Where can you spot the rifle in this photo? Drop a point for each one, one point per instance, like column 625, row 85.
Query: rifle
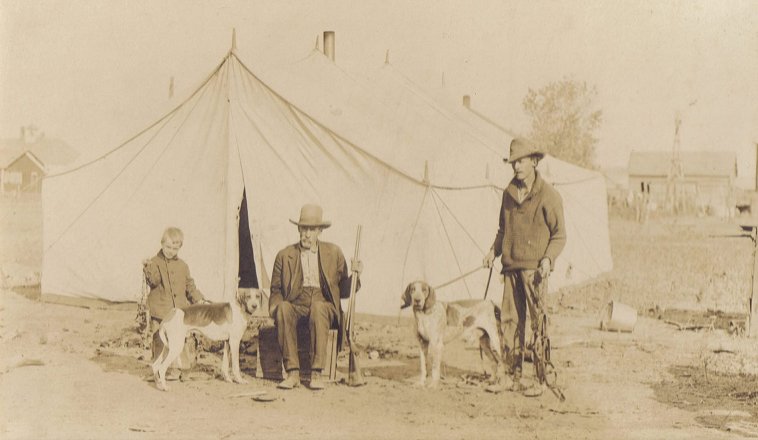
column 355, row 376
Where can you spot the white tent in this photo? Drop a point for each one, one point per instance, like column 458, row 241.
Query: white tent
column 418, row 186
column 454, row 136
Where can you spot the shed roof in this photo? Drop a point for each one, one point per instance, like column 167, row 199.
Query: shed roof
column 694, row 163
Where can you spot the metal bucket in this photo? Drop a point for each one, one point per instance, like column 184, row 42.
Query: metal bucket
column 618, row 318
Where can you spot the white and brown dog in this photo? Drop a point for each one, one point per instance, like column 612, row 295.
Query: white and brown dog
column 438, row 322
column 224, row 321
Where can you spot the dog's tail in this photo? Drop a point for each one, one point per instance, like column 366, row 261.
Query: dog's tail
column 163, row 335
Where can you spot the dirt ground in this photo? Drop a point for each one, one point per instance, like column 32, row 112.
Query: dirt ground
column 73, row 372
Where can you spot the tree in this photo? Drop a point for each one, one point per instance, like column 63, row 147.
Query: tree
column 564, row 120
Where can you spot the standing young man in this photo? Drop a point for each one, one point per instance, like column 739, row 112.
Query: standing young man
column 530, row 236
column 308, row 280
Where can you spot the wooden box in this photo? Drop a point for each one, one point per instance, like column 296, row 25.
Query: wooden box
column 269, row 364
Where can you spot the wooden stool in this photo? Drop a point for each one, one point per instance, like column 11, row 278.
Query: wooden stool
column 270, row 363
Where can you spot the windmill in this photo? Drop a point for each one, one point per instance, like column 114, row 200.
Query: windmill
column 675, row 192
column 674, row 199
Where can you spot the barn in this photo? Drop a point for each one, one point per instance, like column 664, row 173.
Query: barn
column 706, row 185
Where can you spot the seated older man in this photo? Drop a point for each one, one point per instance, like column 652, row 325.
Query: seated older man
column 309, row 279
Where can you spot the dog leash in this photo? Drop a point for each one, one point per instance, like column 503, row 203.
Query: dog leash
column 458, row 278
column 489, row 278
column 486, row 290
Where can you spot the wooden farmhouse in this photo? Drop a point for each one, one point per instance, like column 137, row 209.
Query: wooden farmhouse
column 705, row 183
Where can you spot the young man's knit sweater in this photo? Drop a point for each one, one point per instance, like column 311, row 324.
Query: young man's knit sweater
column 532, row 229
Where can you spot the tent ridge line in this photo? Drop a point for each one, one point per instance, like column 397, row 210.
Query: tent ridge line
column 323, row 126
column 312, row 137
column 349, row 142
column 149, row 127
column 100, row 194
column 266, row 141
column 418, row 91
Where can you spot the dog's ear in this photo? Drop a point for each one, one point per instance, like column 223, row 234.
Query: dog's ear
column 243, row 295
column 431, row 298
column 406, row 296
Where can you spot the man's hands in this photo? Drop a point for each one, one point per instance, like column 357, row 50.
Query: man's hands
column 544, row 268
column 488, row 259
column 356, row 266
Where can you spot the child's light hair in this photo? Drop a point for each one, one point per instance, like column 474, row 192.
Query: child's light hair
column 174, row 234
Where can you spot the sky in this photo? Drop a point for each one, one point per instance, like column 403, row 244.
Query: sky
column 93, row 73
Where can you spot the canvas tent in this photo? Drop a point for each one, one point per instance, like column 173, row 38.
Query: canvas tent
column 466, row 148
column 418, row 186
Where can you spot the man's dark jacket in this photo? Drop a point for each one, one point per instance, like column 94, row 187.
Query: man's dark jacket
column 287, row 278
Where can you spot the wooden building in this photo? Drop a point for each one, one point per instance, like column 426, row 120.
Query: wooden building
column 25, row 160
column 706, row 185
column 22, row 174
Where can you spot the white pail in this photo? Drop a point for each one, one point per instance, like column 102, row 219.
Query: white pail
column 618, row 318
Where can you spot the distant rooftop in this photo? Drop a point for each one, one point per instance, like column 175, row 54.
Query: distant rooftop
column 50, row 151
column 694, row 163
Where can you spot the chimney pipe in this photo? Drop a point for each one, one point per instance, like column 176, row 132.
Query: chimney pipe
column 467, row 101
column 329, row 44
column 756, row 166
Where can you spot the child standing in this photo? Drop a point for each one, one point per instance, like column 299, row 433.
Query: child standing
column 171, row 286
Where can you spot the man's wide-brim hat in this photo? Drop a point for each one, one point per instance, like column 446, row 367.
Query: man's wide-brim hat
column 520, row 148
column 312, row 215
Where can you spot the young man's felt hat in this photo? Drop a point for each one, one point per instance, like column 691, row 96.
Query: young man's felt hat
column 520, row 147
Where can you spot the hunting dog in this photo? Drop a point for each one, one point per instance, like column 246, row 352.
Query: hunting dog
column 224, row 321
column 437, row 322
